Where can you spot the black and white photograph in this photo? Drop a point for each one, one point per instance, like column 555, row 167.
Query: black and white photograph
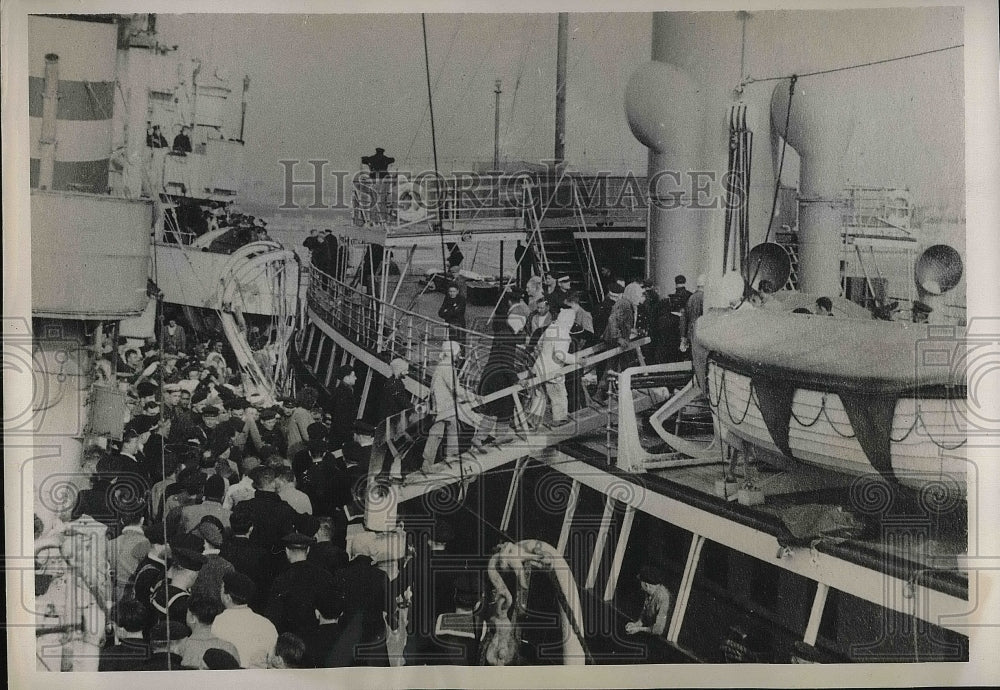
column 434, row 346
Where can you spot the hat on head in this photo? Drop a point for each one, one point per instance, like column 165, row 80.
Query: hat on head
column 296, row 539
column 209, row 531
column 141, row 424
column 563, row 279
column 238, row 584
column 186, row 551
column 379, row 150
column 616, row 288
column 210, row 411
column 680, row 280
column 343, row 370
column 168, row 630
column 146, row 389
column 267, row 413
column 219, row 660
column 364, row 428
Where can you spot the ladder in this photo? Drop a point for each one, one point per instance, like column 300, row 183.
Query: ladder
column 789, row 240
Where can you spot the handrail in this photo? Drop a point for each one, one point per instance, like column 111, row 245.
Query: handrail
column 591, row 260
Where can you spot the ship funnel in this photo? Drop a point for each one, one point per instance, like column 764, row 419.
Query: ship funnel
column 767, row 262
column 937, row 271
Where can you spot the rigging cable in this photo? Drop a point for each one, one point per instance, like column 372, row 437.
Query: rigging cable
column 440, row 228
column 437, row 81
column 751, row 80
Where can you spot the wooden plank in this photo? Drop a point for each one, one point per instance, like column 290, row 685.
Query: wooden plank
column 602, row 538
column 616, row 565
column 567, row 525
column 684, row 591
column 816, row 614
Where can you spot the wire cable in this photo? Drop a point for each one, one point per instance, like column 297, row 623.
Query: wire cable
column 751, row 80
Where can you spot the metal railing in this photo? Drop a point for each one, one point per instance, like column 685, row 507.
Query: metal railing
column 390, row 331
column 461, row 202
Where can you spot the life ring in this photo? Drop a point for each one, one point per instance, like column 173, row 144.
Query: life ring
column 409, row 206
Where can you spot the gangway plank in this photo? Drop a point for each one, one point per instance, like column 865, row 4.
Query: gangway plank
column 582, row 423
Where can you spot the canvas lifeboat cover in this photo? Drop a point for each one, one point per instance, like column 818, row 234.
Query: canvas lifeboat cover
column 839, row 353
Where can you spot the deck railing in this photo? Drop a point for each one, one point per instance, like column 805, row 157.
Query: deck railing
column 462, row 202
column 390, row 331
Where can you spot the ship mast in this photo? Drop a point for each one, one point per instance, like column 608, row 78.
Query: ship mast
column 560, row 147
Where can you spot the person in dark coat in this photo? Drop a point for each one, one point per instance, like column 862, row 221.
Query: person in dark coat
column 182, row 142
column 366, row 588
column 130, row 651
column 664, row 331
column 395, row 398
column 296, row 593
column 679, row 298
column 270, row 516
column 343, row 408
column 324, row 553
column 378, row 164
column 500, row 371
column 452, row 311
column 247, row 556
column 167, row 642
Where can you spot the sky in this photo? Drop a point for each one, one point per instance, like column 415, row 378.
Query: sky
column 333, row 87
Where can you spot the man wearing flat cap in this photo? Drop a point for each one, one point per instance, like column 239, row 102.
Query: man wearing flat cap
column 296, row 593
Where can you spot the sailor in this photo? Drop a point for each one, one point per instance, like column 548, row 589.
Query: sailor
column 296, row 593
column 209, row 580
column 378, row 165
column 312, row 242
column 343, row 407
column 169, row 597
column 462, row 631
column 182, row 142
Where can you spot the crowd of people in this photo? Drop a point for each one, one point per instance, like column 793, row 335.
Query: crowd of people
column 540, row 328
column 226, row 519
